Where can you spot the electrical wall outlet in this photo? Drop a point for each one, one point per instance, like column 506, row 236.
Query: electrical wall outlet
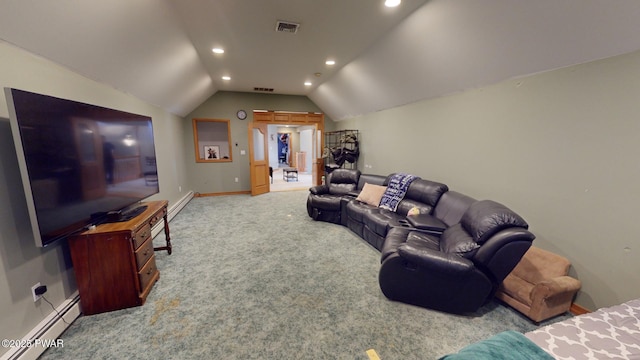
column 237, row 180
column 33, row 292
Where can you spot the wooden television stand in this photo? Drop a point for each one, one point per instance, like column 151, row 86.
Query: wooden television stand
column 115, row 264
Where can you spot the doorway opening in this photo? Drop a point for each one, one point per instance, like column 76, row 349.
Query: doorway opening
column 284, row 149
column 290, row 156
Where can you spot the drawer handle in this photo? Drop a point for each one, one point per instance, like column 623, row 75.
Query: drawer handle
column 150, row 271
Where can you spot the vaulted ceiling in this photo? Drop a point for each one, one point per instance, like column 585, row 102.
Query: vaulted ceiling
column 160, row 50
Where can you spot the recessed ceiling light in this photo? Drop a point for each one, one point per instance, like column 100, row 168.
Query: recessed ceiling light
column 392, row 3
column 227, row 78
column 218, row 50
column 330, row 62
column 308, row 83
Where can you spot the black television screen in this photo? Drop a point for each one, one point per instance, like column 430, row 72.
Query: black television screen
column 78, row 161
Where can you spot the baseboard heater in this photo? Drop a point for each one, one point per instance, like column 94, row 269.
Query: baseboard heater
column 50, row 329
column 47, row 331
column 172, row 212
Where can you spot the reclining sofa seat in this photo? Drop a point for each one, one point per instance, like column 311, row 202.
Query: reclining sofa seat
column 324, row 201
column 448, row 212
column 364, row 179
column 372, row 223
column 460, row 270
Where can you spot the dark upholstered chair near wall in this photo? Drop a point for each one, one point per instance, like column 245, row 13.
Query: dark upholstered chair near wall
column 460, row 270
column 448, row 212
column 324, row 201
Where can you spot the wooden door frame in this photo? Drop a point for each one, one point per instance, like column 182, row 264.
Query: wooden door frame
column 318, row 126
column 317, row 162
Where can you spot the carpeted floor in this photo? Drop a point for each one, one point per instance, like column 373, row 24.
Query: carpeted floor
column 256, row 278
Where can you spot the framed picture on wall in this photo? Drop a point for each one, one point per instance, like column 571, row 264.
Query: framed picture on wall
column 206, row 133
column 211, row 152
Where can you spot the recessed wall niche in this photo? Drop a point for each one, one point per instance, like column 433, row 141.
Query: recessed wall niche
column 212, row 140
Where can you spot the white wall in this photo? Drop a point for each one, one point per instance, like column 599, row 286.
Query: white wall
column 274, row 130
column 306, row 145
column 561, row 148
column 22, row 264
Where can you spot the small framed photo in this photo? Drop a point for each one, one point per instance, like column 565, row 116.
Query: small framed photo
column 211, row 152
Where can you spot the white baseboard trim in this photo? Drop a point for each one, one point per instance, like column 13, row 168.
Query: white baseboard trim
column 172, row 212
column 44, row 335
column 50, row 329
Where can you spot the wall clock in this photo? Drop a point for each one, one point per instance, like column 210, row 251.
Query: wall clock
column 241, row 114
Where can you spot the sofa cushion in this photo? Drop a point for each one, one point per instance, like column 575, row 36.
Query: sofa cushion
column 343, row 181
column 407, row 204
column 455, row 240
column 451, row 206
column 422, row 240
column 484, row 218
column 517, row 288
column 341, row 189
column 423, row 194
column 371, row 179
column 377, row 220
column 371, row 194
column 401, row 235
column 356, row 210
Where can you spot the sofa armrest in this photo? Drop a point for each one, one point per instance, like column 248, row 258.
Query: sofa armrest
column 434, row 260
column 552, row 297
column 558, row 286
column 319, row 189
column 427, row 222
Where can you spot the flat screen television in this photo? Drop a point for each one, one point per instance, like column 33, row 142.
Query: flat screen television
column 80, row 164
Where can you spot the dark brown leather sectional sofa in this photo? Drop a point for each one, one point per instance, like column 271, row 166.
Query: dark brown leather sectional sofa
column 451, row 256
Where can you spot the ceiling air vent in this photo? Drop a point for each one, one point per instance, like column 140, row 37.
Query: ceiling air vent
column 263, row 89
column 287, row 26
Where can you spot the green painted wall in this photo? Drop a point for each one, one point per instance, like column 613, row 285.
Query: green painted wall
column 22, row 264
column 560, row 148
column 207, row 178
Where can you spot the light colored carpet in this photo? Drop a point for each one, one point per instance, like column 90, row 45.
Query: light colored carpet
column 256, row 278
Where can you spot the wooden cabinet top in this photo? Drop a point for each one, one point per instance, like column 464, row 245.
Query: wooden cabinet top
column 139, row 221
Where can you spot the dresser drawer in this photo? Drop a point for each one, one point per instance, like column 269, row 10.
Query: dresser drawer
column 147, row 273
column 144, row 252
column 141, row 236
column 157, row 216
